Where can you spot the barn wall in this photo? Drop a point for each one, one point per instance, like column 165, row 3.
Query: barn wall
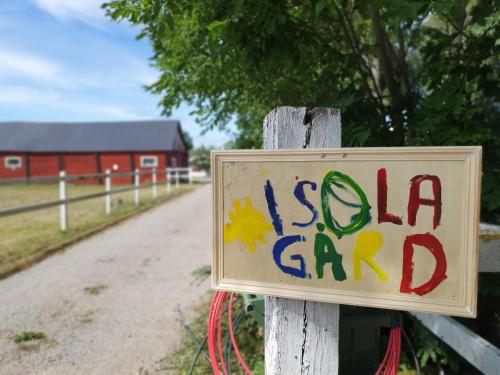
column 77, row 164
column 122, row 162
column 49, row 164
column 160, row 168
column 43, row 165
column 12, row 173
column 180, row 157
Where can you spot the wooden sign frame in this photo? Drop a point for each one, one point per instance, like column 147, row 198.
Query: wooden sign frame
column 470, row 156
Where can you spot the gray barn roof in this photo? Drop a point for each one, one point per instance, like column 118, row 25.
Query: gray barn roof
column 156, row 135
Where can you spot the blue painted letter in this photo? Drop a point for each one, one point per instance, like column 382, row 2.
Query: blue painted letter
column 271, row 206
column 280, row 247
column 301, row 197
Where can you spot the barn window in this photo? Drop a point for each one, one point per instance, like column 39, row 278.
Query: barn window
column 149, row 161
column 12, row 162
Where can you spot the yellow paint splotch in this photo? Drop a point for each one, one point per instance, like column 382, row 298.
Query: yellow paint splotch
column 368, row 244
column 246, row 225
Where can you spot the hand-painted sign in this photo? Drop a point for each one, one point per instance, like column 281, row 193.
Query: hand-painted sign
column 382, row 227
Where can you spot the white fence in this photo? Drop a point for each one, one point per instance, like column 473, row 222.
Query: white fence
column 173, row 179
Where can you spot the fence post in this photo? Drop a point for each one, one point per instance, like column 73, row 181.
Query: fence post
column 167, row 180
column 177, row 176
column 136, row 184
column 190, row 171
column 153, row 180
column 107, row 197
column 302, row 337
column 63, row 208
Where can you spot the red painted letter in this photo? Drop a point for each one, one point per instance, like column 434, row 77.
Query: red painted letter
column 432, row 244
column 383, row 215
column 415, row 201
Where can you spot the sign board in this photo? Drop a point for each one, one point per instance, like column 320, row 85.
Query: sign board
column 392, row 228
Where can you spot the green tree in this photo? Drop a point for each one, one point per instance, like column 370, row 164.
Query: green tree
column 402, row 72
column 200, row 157
column 188, row 139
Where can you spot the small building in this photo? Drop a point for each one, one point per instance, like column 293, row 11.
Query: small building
column 41, row 149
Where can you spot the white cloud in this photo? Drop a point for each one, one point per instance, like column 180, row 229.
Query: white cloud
column 88, row 11
column 22, row 95
column 26, row 95
column 16, row 65
column 115, row 112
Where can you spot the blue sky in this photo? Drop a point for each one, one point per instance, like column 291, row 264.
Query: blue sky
column 63, row 60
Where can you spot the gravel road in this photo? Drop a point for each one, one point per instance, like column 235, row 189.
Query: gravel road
column 107, row 304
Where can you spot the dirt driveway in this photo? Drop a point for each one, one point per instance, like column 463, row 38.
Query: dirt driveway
column 106, row 305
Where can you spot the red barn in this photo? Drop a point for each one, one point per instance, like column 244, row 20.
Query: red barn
column 40, row 149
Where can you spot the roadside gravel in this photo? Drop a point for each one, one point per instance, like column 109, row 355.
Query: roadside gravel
column 107, row 304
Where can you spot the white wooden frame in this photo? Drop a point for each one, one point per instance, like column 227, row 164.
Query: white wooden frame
column 470, row 155
column 144, row 157
column 8, row 158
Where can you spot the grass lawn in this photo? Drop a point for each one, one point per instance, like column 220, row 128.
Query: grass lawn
column 29, row 237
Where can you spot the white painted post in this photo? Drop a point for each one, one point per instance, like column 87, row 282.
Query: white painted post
column 302, row 337
column 177, row 176
column 190, row 176
column 167, row 179
column 153, row 178
column 63, row 208
column 107, row 197
column 136, row 190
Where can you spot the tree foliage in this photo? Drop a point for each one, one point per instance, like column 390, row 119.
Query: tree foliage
column 187, row 139
column 200, row 157
column 402, row 72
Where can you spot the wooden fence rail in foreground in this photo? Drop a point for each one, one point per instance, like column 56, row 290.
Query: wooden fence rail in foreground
column 170, row 174
column 472, row 347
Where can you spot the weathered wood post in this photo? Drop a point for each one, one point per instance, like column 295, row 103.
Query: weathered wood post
column 302, row 337
column 63, row 208
column 177, row 177
column 108, row 190
column 136, row 189
column 153, row 181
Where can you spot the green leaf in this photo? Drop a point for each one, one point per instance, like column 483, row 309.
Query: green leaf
column 320, row 5
column 216, row 25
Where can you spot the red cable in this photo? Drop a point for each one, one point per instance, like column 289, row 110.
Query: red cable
column 398, row 352
column 233, row 340
column 390, row 363
column 211, row 333
column 211, row 352
column 393, row 364
column 215, row 318
column 386, row 356
column 219, row 331
column 394, row 350
column 397, row 341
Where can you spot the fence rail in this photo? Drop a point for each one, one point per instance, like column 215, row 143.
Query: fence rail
column 80, row 177
column 171, row 175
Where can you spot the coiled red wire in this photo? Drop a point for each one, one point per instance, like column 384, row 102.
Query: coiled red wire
column 388, row 366
column 214, row 334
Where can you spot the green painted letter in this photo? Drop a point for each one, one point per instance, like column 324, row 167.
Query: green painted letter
column 343, row 181
column 325, row 252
